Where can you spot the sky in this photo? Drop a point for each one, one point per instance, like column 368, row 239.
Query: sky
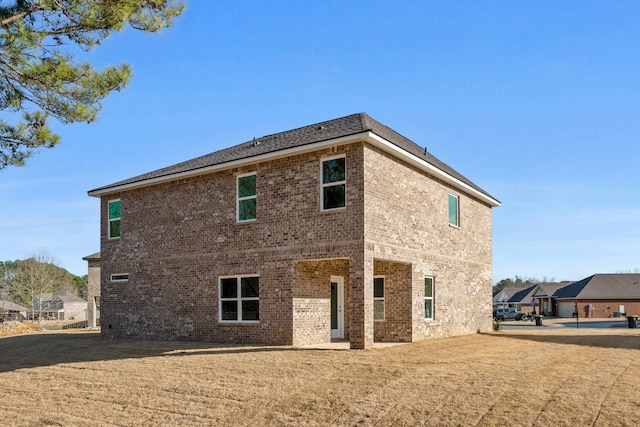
column 537, row 102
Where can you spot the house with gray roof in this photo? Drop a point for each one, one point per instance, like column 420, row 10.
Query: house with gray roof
column 12, row 311
column 600, row 296
column 502, row 297
column 60, row 305
column 343, row 229
column 523, row 299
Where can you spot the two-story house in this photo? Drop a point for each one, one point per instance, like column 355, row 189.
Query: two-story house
column 340, row 230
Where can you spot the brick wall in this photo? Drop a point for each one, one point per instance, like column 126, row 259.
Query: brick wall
column 407, row 222
column 396, row 326
column 179, row 238
column 312, row 300
column 93, row 291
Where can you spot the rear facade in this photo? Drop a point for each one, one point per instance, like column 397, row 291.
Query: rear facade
column 340, row 230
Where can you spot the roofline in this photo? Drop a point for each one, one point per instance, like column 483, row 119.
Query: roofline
column 273, row 155
column 366, row 136
column 429, row 168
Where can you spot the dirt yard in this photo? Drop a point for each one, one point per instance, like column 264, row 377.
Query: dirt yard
column 547, row 376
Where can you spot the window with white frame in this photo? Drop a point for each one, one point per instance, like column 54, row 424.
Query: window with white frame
column 240, row 299
column 114, row 219
column 247, row 197
column 454, row 210
column 119, row 277
column 334, row 184
column 378, row 298
column 428, row 298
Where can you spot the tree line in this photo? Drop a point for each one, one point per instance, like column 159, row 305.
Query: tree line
column 21, row 281
column 520, row 282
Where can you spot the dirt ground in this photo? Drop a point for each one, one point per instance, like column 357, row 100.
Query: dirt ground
column 547, row 376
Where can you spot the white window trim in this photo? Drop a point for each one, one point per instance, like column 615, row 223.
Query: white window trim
column 332, row 184
column 432, row 297
column 238, row 298
column 384, row 291
column 119, row 277
column 109, row 220
column 239, row 199
column 457, row 225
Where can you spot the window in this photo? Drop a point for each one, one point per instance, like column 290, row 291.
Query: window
column 239, row 299
column 120, row 277
column 334, row 184
column 247, row 197
column 114, row 219
column 428, row 298
column 378, row 298
column 454, row 204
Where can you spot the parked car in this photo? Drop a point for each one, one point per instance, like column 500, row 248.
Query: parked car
column 507, row 313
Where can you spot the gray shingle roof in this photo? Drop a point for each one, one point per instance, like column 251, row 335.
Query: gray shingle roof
column 603, row 286
column 307, row 135
column 92, row 257
column 524, row 296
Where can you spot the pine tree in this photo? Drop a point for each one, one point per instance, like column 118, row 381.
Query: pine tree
column 39, row 74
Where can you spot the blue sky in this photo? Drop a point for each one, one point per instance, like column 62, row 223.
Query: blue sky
column 536, row 102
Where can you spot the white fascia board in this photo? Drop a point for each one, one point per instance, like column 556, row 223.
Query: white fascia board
column 393, row 149
column 233, row 164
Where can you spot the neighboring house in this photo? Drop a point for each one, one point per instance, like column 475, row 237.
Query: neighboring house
column 543, row 297
column 501, row 298
column 600, row 295
column 93, row 290
column 524, row 300
column 12, row 311
column 60, row 305
column 343, row 229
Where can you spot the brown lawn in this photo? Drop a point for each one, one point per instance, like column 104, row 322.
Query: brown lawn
column 548, row 376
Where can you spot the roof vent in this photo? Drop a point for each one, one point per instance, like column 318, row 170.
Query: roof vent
column 255, row 142
column 320, row 127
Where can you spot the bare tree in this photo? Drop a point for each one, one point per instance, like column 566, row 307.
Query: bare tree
column 33, row 277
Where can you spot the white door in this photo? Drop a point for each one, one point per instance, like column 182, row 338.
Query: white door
column 337, row 307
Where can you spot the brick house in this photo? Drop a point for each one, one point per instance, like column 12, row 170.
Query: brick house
column 93, row 289
column 339, row 230
column 598, row 296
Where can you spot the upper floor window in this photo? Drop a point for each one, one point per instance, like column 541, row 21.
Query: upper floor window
column 378, row 298
column 334, row 184
column 247, row 197
column 240, row 299
column 428, row 298
column 114, row 219
column 454, row 210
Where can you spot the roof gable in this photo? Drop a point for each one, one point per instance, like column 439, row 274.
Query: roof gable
column 523, row 296
column 332, row 131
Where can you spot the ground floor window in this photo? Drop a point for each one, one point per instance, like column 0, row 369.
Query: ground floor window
column 378, row 298
column 428, row 298
column 240, row 299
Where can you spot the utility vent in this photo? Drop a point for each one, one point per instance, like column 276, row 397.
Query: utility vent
column 121, row 277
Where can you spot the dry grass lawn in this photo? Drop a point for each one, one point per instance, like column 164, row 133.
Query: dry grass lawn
column 548, row 376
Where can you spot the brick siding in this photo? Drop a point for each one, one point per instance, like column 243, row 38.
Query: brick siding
column 179, row 238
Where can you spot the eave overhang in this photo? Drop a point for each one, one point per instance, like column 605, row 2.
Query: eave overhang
column 366, row 136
